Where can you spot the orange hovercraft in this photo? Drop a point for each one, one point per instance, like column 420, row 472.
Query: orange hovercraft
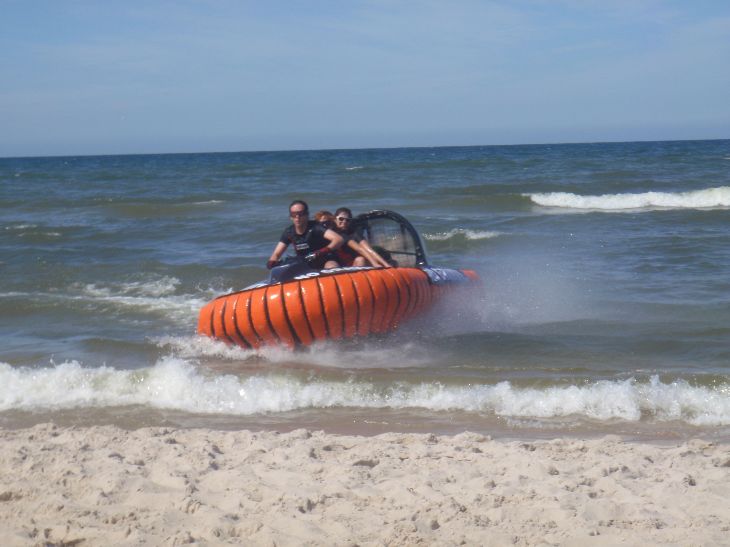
column 297, row 306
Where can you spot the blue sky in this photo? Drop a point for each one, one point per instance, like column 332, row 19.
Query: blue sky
column 82, row 77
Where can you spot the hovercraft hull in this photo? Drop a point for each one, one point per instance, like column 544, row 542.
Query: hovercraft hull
column 329, row 305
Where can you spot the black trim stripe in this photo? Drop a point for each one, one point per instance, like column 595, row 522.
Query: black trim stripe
column 295, row 335
column 283, row 307
column 428, row 295
column 372, row 300
column 356, row 303
column 359, row 307
column 235, row 323
column 419, row 292
column 392, row 287
column 213, row 314
column 250, row 318
column 374, row 278
column 398, row 314
column 342, row 306
column 249, row 300
column 385, row 320
column 386, row 317
column 304, row 312
column 324, row 311
column 210, row 315
column 410, row 302
column 308, row 314
column 223, row 322
column 268, row 318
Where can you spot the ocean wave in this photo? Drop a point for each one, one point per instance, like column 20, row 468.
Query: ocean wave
column 155, row 288
column 20, row 227
column 354, row 168
column 158, row 296
column 157, row 209
column 173, row 383
column 462, row 233
column 35, row 232
column 151, row 295
column 208, row 202
column 709, row 198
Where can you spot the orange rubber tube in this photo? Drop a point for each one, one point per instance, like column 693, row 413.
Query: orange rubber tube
column 380, row 301
column 365, row 299
column 314, row 308
column 345, row 304
column 350, row 305
column 332, row 305
column 278, row 316
column 243, row 320
column 260, row 318
column 294, row 305
column 230, row 324
column 394, row 298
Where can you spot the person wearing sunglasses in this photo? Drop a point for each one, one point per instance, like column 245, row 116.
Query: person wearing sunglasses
column 311, row 240
column 356, row 250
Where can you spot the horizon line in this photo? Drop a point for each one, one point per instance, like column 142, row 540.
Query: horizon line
column 364, row 148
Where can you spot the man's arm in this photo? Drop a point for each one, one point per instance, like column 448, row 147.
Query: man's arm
column 276, row 255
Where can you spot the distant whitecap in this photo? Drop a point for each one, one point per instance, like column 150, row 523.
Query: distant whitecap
column 699, row 199
column 462, row 232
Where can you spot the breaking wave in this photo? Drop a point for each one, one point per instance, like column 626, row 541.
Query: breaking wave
column 174, row 383
column 708, row 198
column 159, row 296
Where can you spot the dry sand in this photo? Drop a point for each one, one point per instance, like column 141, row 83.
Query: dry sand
column 155, row 486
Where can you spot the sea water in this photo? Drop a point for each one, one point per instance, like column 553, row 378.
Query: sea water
column 604, row 308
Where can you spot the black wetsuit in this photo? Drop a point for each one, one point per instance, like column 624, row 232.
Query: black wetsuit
column 308, row 242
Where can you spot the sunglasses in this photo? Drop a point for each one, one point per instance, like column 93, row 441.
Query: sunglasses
column 299, row 213
column 343, row 219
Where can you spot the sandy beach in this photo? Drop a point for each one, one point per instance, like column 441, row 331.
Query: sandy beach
column 108, row 486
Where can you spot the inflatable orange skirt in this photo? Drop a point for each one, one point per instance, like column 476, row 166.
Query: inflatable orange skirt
column 329, row 306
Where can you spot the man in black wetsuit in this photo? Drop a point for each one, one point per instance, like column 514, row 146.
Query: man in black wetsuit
column 312, row 241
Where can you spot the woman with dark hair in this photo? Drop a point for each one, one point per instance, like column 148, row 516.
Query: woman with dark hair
column 356, row 249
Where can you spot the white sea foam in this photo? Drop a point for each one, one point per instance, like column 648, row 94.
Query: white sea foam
column 155, row 288
column 462, row 232
column 174, row 383
column 193, row 347
column 708, row 198
column 157, row 295
column 354, row 168
column 367, row 355
column 17, row 227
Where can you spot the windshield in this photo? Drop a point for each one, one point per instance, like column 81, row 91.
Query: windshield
column 393, row 237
